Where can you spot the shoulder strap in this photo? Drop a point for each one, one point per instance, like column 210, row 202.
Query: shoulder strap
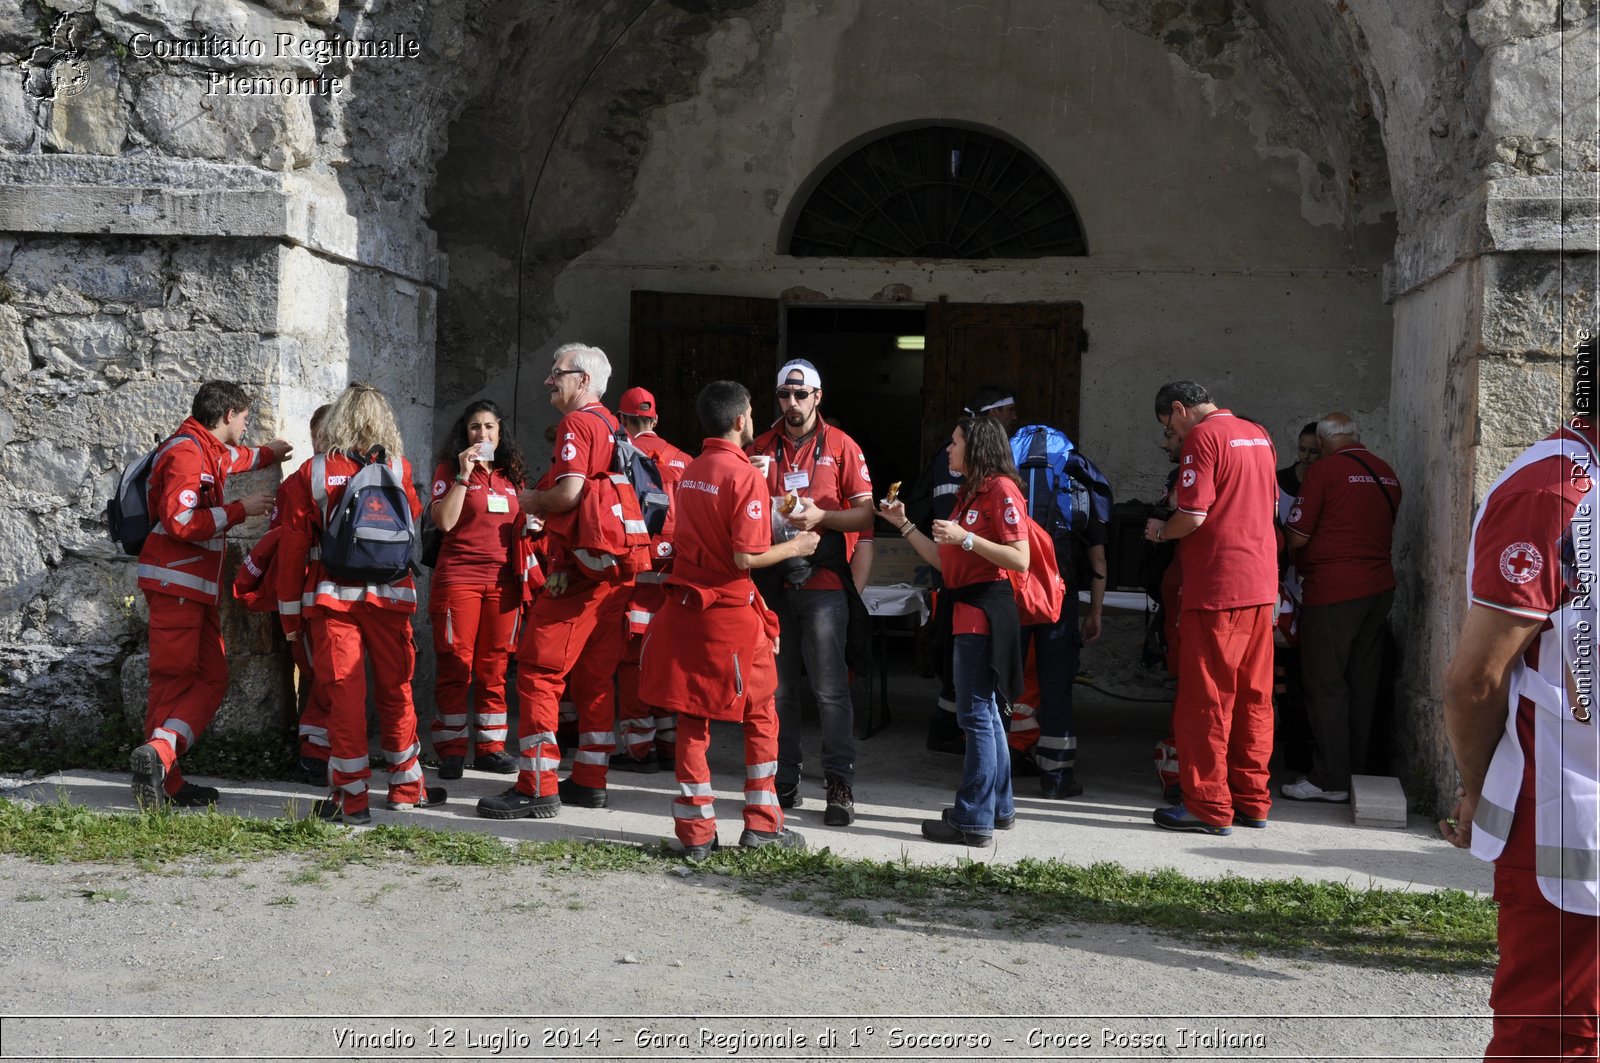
column 319, row 485
column 1393, row 512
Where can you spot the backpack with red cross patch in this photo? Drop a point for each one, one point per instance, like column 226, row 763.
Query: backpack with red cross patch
column 370, row 536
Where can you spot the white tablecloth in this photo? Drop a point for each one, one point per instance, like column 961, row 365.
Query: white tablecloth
column 900, row 599
column 1138, row 601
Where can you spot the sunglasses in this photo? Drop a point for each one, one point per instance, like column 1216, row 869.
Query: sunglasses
column 795, row 394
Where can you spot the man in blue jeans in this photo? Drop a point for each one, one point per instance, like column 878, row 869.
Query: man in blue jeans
column 821, row 473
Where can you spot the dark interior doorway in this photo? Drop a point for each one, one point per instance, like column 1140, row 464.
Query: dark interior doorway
column 871, row 360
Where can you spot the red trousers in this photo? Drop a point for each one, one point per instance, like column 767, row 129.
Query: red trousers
column 188, row 676
column 314, row 714
column 642, row 729
column 574, row 642
column 1546, row 989
column 1222, row 716
column 1023, row 733
column 341, row 645
column 693, row 819
column 474, row 632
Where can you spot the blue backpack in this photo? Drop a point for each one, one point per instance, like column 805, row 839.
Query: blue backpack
column 1065, row 489
column 371, row 536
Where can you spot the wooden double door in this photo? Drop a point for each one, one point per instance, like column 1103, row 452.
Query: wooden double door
column 679, row 342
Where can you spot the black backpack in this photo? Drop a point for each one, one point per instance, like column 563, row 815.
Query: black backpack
column 371, row 536
column 645, row 476
column 128, row 511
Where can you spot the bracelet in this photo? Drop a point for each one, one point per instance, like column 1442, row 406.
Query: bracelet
column 907, row 528
column 460, row 479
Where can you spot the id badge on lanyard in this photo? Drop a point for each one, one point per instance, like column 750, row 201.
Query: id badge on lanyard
column 498, row 503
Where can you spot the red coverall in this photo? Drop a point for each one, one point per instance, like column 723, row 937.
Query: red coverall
column 640, row 729
column 180, row 568
column 350, row 626
column 710, row 655
column 575, row 637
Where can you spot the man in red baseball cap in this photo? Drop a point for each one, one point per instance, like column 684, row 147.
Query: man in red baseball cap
column 646, row 736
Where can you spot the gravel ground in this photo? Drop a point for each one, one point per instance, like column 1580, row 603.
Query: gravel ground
column 272, row 959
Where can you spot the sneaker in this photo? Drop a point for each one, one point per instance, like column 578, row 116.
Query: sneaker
column 1246, row 821
column 191, row 796
column 1062, row 786
column 149, row 776
column 450, row 767
column 582, row 796
column 1179, row 818
column 698, row 854
column 841, row 811
column 497, row 763
column 1306, row 790
column 514, row 804
column 313, row 772
column 432, row 797
column 783, row 839
column 946, row 833
column 789, row 796
column 332, row 810
column 640, row 766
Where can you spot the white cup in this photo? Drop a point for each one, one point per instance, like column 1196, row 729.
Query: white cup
column 762, row 462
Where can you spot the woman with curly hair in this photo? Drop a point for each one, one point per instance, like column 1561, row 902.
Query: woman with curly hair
column 476, row 595
column 352, row 623
column 985, row 536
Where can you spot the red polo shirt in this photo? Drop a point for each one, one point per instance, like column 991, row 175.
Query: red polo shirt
column 478, row 548
column 1228, row 474
column 994, row 512
column 722, row 510
column 834, row 470
column 1350, row 525
column 669, row 459
column 583, row 443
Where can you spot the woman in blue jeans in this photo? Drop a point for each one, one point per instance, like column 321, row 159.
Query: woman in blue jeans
column 985, row 537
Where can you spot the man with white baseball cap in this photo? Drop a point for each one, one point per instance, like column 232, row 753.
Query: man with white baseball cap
column 826, row 472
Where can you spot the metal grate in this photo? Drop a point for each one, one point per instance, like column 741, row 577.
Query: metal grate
column 938, row 192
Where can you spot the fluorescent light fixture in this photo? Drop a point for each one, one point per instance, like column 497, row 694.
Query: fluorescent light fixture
column 911, row 343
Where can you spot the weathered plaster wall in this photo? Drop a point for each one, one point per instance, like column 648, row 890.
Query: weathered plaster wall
column 1219, row 249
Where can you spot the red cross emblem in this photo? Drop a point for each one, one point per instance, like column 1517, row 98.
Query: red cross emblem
column 374, row 505
column 1521, row 562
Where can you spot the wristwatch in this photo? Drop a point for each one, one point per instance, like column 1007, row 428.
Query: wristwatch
column 966, row 544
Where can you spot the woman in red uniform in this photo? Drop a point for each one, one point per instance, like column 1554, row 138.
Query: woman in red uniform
column 476, row 591
column 985, row 537
column 352, row 624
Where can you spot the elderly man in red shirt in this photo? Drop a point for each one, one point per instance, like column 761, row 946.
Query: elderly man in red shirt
column 1342, row 529
column 1227, row 497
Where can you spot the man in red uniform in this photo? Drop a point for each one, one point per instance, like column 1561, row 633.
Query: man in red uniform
column 1227, row 495
column 180, row 568
column 1519, row 707
column 574, row 634
column 711, row 656
column 1342, row 528
column 827, row 472
column 647, row 737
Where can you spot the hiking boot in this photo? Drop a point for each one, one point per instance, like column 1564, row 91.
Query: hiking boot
column 1179, row 818
column 332, row 810
column 514, row 804
column 432, row 797
column 450, row 767
column 149, row 776
column 1000, row 822
column 841, row 810
column 1306, row 790
column 946, row 833
column 582, row 796
column 313, row 772
column 191, row 796
column 1062, row 785
column 789, row 796
column 783, row 839
column 497, row 763
column 639, row 765
column 698, row 854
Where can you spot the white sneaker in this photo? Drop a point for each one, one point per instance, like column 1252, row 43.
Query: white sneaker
column 1306, row 790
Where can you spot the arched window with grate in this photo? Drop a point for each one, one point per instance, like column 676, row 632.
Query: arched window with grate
column 937, row 191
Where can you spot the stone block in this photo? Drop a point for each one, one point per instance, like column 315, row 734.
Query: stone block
column 203, row 354
column 80, row 346
column 1377, row 801
column 90, row 121
column 319, row 11
column 1493, row 22
column 169, row 20
column 17, row 123
column 68, row 276
column 1529, row 80
column 180, row 118
column 1518, row 402
column 13, row 348
column 233, row 285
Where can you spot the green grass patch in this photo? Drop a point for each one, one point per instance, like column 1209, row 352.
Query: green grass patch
column 1438, row 930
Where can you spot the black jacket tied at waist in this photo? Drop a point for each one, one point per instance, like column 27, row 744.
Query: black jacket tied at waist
column 999, row 605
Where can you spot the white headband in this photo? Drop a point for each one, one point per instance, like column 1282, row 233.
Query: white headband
column 1009, row 400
